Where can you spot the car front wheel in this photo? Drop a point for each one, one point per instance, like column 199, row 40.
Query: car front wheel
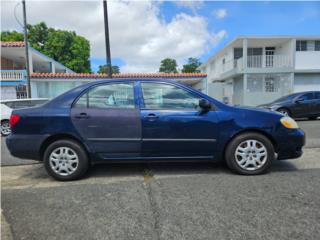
column 65, row 160
column 284, row 111
column 5, row 128
column 250, row 154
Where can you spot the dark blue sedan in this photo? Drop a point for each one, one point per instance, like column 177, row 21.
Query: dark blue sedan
column 149, row 120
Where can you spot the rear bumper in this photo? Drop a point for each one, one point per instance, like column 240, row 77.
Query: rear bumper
column 25, row 146
column 291, row 147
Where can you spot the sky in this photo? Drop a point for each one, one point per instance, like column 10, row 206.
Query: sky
column 142, row 33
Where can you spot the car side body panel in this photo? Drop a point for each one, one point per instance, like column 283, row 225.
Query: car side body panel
column 220, row 125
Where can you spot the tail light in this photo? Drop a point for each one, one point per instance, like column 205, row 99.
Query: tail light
column 14, row 119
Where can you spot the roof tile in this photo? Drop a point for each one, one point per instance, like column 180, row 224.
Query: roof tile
column 119, row 75
column 12, row 44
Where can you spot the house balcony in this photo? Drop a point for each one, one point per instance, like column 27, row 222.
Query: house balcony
column 257, row 64
column 12, row 77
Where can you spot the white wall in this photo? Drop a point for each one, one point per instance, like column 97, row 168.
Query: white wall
column 306, row 82
column 215, row 90
column 307, row 60
column 8, row 93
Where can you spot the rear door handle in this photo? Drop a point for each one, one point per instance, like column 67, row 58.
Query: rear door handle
column 151, row 116
column 82, row 116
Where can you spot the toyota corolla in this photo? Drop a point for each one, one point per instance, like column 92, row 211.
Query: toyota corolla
column 149, row 120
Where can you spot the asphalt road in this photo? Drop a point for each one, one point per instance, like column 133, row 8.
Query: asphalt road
column 165, row 201
column 311, row 128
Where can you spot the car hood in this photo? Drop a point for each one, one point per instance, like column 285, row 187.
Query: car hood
column 249, row 109
column 269, row 105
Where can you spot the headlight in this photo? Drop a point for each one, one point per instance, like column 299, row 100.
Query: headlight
column 288, row 122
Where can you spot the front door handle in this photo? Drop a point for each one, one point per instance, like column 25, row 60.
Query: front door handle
column 151, row 116
column 82, row 116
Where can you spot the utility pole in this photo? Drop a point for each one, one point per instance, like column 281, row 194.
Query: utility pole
column 26, row 47
column 106, row 32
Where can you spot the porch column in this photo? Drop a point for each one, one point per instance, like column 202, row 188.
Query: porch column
column 30, row 62
column 245, row 80
column 245, row 53
column 52, row 67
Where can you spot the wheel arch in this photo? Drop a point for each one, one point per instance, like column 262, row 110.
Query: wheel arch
column 285, row 108
column 57, row 137
column 253, row 130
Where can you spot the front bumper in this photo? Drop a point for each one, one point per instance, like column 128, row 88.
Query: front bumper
column 25, row 146
column 291, row 146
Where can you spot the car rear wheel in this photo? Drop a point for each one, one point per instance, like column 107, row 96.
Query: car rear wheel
column 284, row 111
column 250, row 154
column 5, row 128
column 65, row 160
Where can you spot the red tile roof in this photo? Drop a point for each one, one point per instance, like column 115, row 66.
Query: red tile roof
column 12, row 44
column 121, row 75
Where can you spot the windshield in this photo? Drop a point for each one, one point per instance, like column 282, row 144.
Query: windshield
column 285, row 98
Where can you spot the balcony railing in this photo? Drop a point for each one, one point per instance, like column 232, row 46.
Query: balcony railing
column 260, row 62
column 269, row 61
column 12, row 75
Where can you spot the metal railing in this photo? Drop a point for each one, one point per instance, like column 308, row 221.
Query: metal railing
column 12, row 75
column 269, row 61
column 260, row 61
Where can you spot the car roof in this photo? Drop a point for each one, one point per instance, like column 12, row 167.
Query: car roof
column 22, row 100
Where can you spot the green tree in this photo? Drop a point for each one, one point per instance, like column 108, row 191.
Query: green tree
column 38, row 35
column 66, row 47
column 191, row 66
column 114, row 69
column 168, row 65
column 14, row 36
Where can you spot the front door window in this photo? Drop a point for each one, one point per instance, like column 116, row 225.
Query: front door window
column 163, row 96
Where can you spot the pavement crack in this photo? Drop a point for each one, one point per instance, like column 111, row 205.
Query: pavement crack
column 148, row 177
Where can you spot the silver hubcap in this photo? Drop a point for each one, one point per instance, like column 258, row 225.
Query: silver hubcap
column 64, row 161
column 251, row 155
column 5, row 128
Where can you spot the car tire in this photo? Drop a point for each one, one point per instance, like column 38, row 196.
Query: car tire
column 65, row 160
column 284, row 111
column 250, row 154
column 5, row 128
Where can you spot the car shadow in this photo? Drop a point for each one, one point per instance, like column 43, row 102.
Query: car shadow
column 283, row 166
column 150, row 169
column 172, row 168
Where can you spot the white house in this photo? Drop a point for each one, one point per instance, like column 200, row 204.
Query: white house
column 13, row 68
column 252, row 70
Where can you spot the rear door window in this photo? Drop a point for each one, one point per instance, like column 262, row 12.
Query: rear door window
column 120, row 95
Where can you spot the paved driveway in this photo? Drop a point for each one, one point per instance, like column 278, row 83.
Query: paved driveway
column 166, row 201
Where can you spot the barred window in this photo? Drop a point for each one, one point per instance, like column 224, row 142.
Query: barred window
column 271, row 84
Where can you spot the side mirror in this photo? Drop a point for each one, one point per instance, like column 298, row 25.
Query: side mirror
column 204, row 104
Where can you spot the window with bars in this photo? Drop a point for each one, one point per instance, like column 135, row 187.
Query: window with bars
column 270, row 85
column 21, row 91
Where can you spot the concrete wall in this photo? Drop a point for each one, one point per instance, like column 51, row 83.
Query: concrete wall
column 215, row 90
column 306, row 60
column 238, row 90
column 8, row 93
column 306, row 82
